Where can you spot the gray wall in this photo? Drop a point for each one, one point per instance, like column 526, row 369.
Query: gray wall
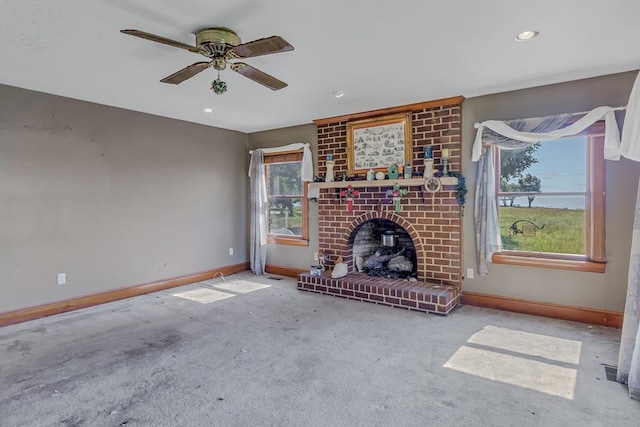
column 283, row 255
column 604, row 291
column 112, row 198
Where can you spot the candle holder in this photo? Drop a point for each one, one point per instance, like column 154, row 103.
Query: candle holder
column 329, row 177
column 445, row 160
column 428, row 168
column 428, row 162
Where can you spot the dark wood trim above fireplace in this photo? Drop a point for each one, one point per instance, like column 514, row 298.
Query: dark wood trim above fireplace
column 456, row 100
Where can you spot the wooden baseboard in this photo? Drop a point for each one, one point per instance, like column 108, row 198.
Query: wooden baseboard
column 592, row 316
column 284, row 271
column 36, row 312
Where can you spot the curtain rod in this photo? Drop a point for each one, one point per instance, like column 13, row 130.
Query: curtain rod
column 623, row 107
column 282, row 152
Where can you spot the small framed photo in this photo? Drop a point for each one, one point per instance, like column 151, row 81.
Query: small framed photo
column 378, row 142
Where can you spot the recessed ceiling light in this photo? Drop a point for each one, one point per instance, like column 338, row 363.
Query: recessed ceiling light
column 207, row 110
column 526, row 35
column 338, row 93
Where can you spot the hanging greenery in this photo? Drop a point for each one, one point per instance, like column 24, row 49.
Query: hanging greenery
column 218, row 86
column 461, row 187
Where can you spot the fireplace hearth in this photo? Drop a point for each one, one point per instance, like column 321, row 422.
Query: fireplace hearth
column 418, row 296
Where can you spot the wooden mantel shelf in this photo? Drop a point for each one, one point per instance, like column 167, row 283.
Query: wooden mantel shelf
column 444, row 180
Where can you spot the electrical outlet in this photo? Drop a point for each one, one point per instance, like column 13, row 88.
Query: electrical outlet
column 469, row 273
column 230, row 251
column 62, row 278
column 315, row 256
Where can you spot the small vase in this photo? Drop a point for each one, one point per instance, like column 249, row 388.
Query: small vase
column 329, row 176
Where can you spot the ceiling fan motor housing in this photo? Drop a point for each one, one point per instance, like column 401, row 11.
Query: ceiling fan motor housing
column 216, row 42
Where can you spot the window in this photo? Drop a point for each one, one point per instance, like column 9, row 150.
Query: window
column 551, row 203
column 287, row 201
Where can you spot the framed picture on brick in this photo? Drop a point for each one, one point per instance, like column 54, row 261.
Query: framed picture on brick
column 378, row 142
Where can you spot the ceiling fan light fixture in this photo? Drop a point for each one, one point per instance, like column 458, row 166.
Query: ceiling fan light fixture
column 338, row 93
column 526, row 35
column 207, row 110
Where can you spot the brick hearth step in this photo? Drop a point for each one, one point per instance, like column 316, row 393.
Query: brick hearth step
column 420, row 296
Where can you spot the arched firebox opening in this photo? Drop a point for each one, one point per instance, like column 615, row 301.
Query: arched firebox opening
column 383, row 248
column 380, row 222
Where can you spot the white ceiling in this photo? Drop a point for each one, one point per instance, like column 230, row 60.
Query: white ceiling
column 382, row 53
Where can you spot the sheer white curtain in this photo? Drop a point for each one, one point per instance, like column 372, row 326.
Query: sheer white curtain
column 258, row 189
column 629, row 355
column 514, row 135
column 485, row 214
column 258, row 224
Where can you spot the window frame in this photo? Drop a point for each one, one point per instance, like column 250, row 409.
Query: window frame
column 594, row 259
column 279, row 239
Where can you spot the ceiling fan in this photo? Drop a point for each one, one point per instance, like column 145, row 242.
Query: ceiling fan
column 221, row 45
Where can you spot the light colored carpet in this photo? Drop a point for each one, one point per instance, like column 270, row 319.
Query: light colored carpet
column 258, row 352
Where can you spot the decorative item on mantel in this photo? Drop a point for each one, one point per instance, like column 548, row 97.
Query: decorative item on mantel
column 371, row 175
column 432, row 184
column 349, row 194
column 397, row 194
column 330, row 163
column 445, row 159
column 393, row 171
column 408, row 171
column 428, row 162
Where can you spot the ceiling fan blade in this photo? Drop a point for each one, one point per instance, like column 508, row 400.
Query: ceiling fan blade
column 266, row 46
column 186, row 73
column 163, row 40
column 258, row 76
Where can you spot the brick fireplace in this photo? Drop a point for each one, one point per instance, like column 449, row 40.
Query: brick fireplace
column 432, row 220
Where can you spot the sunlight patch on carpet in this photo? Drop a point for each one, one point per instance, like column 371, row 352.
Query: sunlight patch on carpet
column 204, row 296
column 533, row 361
column 551, row 348
column 530, row 374
column 241, row 286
